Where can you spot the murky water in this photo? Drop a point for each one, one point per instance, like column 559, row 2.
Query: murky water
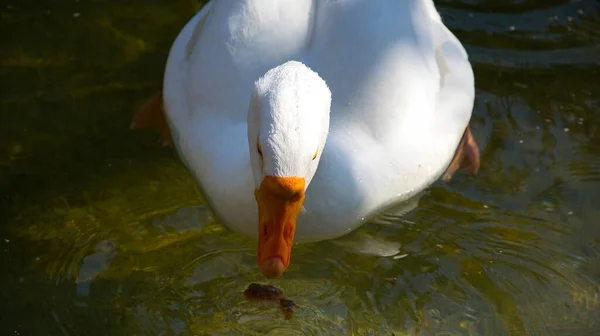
column 103, row 233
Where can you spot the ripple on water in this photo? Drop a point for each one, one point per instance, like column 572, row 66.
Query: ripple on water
column 585, row 170
column 492, row 261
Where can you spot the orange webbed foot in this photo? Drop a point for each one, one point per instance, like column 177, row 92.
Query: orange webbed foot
column 466, row 156
column 152, row 115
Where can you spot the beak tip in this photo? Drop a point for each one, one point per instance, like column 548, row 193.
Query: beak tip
column 272, row 267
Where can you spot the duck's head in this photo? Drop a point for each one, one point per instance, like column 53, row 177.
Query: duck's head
column 288, row 122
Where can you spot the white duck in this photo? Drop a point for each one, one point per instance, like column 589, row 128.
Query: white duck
column 341, row 107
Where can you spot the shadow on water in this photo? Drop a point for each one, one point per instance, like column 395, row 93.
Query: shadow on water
column 102, row 232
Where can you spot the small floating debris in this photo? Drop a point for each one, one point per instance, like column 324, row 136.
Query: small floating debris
column 268, row 293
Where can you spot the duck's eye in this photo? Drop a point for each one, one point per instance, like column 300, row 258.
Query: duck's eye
column 259, row 149
column 316, row 152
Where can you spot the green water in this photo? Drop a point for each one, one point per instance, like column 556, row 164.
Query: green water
column 102, row 232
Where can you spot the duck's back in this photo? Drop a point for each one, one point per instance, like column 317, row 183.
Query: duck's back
column 371, row 53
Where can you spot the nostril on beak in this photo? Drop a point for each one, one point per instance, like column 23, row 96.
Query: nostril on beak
column 292, row 197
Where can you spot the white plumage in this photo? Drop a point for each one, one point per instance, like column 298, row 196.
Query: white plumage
column 385, row 105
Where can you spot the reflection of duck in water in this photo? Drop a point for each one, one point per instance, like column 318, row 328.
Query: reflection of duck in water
column 342, row 108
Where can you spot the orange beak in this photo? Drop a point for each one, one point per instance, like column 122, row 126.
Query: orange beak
column 279, row 202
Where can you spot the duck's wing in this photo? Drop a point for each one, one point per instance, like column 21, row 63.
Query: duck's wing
column 152, row 114
column 457, row 83
column 224, row 49
column 398, row 78
column 456, row 96
column 177, row 70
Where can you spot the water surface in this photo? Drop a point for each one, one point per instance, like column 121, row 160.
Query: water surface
column 103, row 232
